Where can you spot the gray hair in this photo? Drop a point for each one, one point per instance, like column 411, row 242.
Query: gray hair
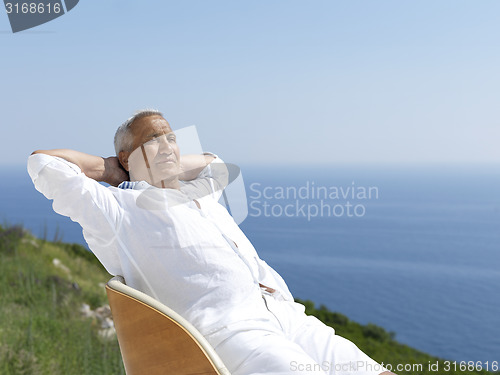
column 123, row 139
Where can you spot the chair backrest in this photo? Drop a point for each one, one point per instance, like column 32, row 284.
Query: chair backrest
column 154, row 339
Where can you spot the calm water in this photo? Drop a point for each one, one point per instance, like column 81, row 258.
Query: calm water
column 423, row 260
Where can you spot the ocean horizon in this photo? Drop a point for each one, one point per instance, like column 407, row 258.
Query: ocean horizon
column 412, row 248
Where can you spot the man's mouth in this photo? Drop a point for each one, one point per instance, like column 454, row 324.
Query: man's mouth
column 166, row 161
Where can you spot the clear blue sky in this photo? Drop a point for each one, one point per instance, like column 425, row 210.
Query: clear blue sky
column 278, row 81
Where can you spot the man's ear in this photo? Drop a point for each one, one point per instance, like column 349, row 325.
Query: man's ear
column 123, row 157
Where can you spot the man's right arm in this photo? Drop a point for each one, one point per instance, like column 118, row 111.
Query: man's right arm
column 97, row 168
column 69, row 178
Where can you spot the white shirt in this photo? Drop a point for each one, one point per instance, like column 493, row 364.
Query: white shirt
column 196, row 261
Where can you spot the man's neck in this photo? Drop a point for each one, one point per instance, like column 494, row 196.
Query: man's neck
column 168, row 184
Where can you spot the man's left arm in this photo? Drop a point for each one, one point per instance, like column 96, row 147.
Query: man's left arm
column 192, row 165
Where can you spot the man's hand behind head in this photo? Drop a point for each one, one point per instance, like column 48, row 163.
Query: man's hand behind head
column 114, row 173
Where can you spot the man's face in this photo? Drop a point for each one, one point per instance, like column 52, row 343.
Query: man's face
column 155, row 157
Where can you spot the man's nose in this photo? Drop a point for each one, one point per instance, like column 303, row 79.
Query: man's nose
column 165, row 146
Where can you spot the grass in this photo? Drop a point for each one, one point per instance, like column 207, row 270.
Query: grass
column 43, row 332
column 41, row 329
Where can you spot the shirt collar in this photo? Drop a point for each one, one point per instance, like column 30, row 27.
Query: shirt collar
column 138, row 185
column 135, row 185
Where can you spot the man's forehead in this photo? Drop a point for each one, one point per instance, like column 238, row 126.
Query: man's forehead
column 151, row 124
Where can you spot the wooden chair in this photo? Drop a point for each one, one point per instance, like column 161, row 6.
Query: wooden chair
column 154, row 339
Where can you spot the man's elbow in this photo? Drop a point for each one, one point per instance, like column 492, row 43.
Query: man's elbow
column 47, row 152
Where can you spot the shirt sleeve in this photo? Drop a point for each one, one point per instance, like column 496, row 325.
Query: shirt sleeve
column 210, row 181
column 217, row 174
column 80, row 198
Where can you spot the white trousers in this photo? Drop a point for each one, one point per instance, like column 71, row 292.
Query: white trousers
column 291, row 343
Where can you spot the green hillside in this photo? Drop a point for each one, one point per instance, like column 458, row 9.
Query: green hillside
column 43, row 331
column 381, row 346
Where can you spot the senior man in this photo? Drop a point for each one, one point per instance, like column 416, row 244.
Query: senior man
column 160, row 225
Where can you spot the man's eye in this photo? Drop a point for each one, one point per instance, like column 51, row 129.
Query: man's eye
column 152, row 141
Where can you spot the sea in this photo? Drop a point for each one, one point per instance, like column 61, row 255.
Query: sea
column 412, row 248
